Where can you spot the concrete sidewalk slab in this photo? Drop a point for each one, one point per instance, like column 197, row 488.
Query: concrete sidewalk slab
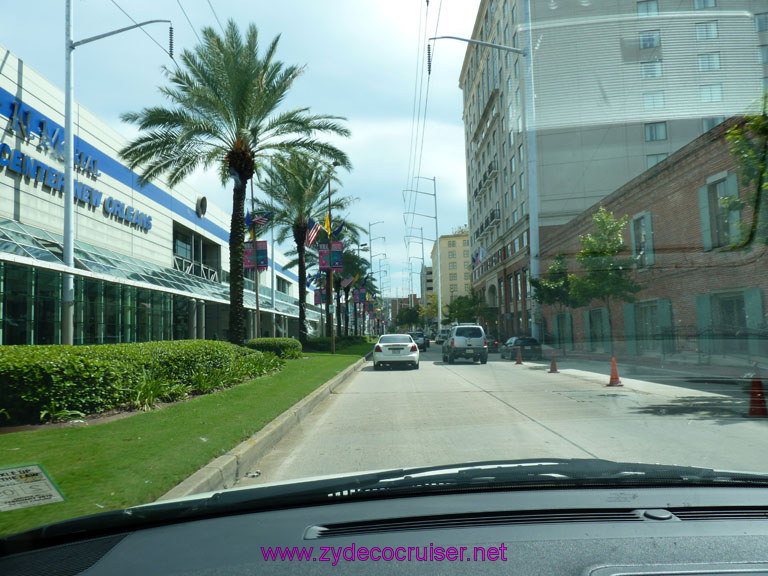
column 225, row 470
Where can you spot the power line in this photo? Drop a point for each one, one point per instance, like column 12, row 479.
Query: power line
column 142, row 29
column 215, row 16
column 188, row 20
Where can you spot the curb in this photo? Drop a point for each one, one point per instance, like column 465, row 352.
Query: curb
column 224, row 471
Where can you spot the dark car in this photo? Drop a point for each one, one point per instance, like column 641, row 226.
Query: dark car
column 494, row 344
column 530, row 348
column 421, row 340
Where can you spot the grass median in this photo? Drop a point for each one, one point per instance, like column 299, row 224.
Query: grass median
column 137, row 459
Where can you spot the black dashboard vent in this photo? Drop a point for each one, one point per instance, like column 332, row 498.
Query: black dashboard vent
column 63, row 560
column 734, row 513
column 471, row 521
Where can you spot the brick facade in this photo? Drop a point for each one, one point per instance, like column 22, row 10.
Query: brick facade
column 696, row 301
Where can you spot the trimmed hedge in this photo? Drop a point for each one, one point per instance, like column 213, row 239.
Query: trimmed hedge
column 281, row 347
column 57, row 380
column 323, row 343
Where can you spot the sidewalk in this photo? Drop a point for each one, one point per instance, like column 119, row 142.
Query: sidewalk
column 726, row 380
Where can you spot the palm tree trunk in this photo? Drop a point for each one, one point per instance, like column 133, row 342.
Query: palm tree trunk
column 299, row 237
column 328, row 303
column 236, row 238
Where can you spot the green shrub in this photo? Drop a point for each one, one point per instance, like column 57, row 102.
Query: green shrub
column 323, row 343
column 281, row 347
column 40, row 382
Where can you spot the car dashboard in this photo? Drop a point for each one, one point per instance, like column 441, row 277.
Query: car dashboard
column 597, row 531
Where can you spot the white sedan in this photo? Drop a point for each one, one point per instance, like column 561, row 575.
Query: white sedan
column 395, row 349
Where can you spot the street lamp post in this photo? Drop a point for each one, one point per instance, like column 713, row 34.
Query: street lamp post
column 355, row 305
column 68, row 288
column 533, row 187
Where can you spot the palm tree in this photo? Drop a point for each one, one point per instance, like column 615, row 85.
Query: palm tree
column 295, row 187
column 223, row 113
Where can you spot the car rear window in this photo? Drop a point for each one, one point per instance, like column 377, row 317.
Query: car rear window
column 395, row 339
column 469, row 332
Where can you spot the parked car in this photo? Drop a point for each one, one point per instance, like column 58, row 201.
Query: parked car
column 530, row 348
column 466, row 341
column 394, row 349
column 442, row 335
column 421, row 340
column 493, row 344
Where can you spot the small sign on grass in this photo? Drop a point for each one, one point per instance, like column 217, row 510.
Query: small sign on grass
column 26, row 486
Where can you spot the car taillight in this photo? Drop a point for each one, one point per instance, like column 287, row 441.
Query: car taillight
column 452, row 342
column 485, row 341
column 378, row 349
column 414, row 348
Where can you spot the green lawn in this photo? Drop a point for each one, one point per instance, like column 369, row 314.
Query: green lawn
column 137, row 459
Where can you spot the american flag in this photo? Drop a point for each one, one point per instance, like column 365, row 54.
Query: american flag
column 313, row 228
column 262, row 219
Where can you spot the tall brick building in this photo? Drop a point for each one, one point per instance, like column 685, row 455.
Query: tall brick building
column 700, row 296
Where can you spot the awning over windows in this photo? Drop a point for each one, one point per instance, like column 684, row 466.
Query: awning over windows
column 24, row 242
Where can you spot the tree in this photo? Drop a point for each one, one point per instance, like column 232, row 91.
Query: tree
column 607, row 278
column 749, row 145
column 223, row 113
column 296, row 189
column 408, row 317
column 469, row 309
column 554, row 289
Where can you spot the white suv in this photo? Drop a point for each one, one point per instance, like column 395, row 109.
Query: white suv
column 466, row 341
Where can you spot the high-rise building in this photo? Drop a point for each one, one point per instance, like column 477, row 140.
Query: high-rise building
column 454, row 280
column 603, row 91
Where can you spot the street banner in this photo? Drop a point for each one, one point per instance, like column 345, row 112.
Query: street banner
column 262, row 260
column 355, row 296
column 248, row 256
column 337, row 250
column 323, row 256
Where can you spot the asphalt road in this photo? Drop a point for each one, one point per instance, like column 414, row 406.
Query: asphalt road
column 447, row 414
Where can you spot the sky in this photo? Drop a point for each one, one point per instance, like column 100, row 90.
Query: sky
column 363, row 61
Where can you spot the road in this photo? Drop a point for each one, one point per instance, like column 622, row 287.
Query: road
column 442, row 414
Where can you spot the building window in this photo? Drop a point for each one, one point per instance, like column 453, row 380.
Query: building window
column 514, row 13
column 465, row 242
column 719, row 222
column 453, row 288
column 762, row 52
column 452, row 254
column 650, row 39
column 515, row 217
column 522, row 182
column 522, row 208
column 452, row 266
column 711, row 93
column 708, row 123
column 466, row 253
column 655, row 131
column 654, row 159
column 653, row 100
column 647, row 8
column 282, row 285
column 642, row 240
column 466, row 275
column 520, row 152
column 704, row 4
column 706, row 30
column 514, row 40
column 761, row 22
column 525, row 239
column 512, row 161
column 649, row 70
column 710, row 62
column 452, row 277
column 182, row 245
column 516, row 244
column 514, row 191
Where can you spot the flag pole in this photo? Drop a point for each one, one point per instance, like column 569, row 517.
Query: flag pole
column 274, row 316
column 255, row 268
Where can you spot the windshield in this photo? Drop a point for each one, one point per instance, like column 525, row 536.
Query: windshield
column 581, row 180
column 395, row 339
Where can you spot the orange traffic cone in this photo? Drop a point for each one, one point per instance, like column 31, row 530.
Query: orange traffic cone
column 553, row 365
column 757, row 406
column 519, row 355
column 614, row 374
